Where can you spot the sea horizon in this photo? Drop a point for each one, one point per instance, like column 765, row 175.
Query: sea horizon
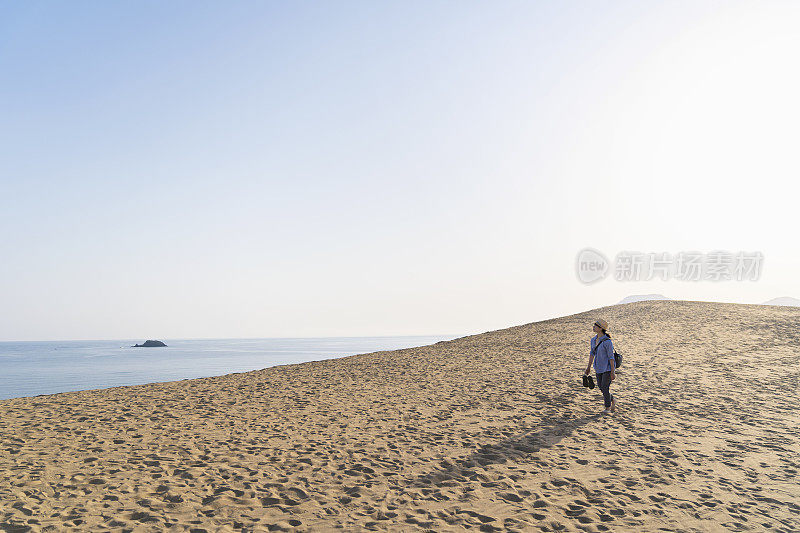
column 33, row 368
column 165, row 339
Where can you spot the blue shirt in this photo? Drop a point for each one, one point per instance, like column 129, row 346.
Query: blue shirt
column 603, row 356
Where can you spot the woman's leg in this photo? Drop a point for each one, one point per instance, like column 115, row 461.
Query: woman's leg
column 604, row 382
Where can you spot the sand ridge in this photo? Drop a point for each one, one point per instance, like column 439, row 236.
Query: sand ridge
column 488, row 432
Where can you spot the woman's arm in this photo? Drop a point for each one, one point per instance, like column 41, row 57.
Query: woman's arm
column 591, row 358
column 610, row 354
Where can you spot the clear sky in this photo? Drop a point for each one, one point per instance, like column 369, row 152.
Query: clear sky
column 231, row 169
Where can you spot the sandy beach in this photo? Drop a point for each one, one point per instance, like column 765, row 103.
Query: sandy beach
column 488, row 432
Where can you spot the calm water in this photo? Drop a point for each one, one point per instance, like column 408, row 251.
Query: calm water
column 31, row 368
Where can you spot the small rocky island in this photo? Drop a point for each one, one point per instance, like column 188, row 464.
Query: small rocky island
column 149, row 344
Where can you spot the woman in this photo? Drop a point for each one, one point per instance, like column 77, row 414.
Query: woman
column 601, row 351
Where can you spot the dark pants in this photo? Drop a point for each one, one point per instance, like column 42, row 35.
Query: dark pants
column 603, row 383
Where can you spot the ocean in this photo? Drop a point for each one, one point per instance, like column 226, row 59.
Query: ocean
column 48, row 367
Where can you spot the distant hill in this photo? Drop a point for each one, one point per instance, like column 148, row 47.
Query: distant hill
column 784, row 300
column 642, row 297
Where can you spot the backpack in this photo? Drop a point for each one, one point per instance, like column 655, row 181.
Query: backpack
column 617, row 357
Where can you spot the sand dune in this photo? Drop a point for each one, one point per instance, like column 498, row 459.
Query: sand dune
column 488, row 432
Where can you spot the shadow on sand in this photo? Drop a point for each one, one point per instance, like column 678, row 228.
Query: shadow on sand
column 549, row 432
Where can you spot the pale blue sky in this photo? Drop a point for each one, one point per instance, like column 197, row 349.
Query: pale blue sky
column 232, row 169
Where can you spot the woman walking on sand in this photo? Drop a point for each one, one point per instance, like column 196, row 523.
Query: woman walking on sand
column 601, row 352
